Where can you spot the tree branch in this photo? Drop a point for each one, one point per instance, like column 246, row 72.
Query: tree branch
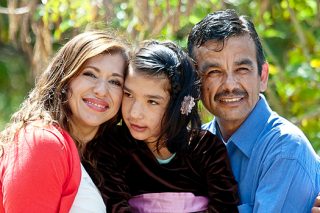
column 16, row 11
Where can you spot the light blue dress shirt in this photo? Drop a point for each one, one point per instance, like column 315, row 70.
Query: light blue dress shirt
column 274, row 163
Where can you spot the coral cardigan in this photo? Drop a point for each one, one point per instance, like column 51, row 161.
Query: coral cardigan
column 41, row 172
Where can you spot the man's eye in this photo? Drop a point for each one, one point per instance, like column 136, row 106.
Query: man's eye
column 242, row 70
column 213, row 72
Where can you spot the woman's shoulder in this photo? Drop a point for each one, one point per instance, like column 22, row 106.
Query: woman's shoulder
column 44, row 145
column 49, row 137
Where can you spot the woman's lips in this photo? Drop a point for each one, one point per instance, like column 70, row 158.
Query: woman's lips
column 96, row 104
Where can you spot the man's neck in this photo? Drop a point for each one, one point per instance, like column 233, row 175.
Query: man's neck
column 227, row 128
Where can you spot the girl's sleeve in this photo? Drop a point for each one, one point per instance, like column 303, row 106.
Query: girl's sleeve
column 222, row 187
column 43, row 173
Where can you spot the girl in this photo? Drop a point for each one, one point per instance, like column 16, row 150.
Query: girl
column 166, row 163
column 76, row 97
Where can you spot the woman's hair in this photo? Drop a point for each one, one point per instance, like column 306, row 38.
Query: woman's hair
column 157, row 58
column 48, row 100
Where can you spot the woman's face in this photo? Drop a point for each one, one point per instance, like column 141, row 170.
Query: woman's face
column 144, row 103
column 95, row 94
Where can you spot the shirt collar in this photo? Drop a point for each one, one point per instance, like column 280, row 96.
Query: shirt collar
column 245, row 137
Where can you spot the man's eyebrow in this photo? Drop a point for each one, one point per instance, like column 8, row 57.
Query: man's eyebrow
column 245, row 61
column 207, row 65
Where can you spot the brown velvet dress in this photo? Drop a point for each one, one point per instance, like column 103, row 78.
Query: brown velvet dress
column 129, row 168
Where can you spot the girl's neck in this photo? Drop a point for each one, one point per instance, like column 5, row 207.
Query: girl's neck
column 162, row 152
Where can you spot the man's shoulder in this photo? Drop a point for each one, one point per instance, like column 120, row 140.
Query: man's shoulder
column 282, row 129
column 285, row 139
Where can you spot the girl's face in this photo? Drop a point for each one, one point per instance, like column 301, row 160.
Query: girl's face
column 144, row 103
column 95, row 94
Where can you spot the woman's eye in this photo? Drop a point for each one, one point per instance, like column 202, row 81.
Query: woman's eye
column 116, row 83
column 89, row 74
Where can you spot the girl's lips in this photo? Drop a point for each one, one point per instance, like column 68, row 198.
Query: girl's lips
column 96, row 104
column 137, row 128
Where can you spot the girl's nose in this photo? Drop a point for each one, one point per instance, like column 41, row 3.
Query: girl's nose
column 136, row 110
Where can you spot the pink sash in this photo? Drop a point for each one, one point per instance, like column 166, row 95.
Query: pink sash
column 168, row 202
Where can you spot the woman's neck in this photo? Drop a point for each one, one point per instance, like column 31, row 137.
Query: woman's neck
column 82, row 134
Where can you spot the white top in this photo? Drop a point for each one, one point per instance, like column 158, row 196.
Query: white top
column 88, row 198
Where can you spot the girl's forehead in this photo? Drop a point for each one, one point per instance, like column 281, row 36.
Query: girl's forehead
column 141, row 80
column 145, row 74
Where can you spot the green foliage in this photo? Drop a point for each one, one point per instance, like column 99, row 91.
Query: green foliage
column 290, row 32
column 63, row 15
column 14, row 82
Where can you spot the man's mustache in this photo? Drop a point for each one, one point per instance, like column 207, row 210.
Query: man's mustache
column 228, row 93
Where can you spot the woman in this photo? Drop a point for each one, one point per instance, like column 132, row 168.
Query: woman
column 160, row 160
column 77, row 96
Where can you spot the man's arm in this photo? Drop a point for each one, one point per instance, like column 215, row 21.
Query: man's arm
column 284, row 186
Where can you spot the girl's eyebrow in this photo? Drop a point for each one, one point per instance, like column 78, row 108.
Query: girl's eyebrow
column 155, row 97
column 148, row 96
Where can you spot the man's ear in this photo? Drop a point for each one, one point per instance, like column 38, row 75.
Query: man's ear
column 264, row 77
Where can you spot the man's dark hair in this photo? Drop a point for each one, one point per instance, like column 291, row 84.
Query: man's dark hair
column 221, row 25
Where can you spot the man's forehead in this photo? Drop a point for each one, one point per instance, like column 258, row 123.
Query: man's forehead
column 218, row 45
column 211, row 45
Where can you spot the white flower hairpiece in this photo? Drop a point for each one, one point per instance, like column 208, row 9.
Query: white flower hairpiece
column 187, row 105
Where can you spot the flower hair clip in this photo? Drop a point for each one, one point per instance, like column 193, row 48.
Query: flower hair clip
column 187, row 105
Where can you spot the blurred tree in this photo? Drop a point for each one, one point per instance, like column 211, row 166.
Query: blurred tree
column 290, row 30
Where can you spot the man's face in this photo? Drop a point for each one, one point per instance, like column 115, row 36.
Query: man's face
column 230, row 80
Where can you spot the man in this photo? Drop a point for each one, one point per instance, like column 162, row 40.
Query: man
column 273, row 162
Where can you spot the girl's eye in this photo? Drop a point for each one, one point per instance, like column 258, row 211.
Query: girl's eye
column 152, row 102
column 127, row 94
column 89, row 74
column 116, row 83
